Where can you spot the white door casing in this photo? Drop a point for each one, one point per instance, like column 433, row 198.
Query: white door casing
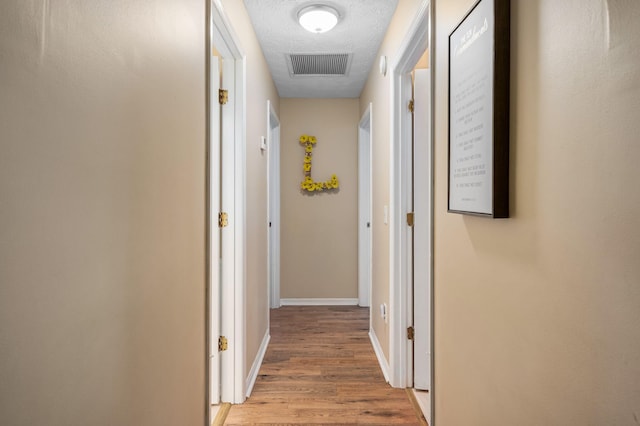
column 365, row 138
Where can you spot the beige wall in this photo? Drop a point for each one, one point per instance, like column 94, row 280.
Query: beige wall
column 260, row 88
column 319, row 246
column 537, row 316
column 102, row 212
column 377, row 91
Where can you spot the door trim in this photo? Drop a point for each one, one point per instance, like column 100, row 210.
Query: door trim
column 414, row 45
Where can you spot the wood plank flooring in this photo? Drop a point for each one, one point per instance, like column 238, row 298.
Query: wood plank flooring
column 320, row 369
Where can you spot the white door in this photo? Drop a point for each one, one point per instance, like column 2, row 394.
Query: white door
column 214, row 232
column 364, row 208
column 273, row 150
column 228, row 203
column 221, row 238
column 422, row 231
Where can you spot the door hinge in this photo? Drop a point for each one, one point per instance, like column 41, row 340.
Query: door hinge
column 223, row 220
column 411, row 333
column 223, row 96
column 411, row 105
column 223, row 344
column 410, row 219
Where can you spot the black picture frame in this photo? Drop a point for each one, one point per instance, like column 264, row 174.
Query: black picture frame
column 479, row 78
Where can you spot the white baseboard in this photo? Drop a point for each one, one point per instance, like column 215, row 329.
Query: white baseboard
column 255, row 368
column 319, row 302
column 424, row 402
column 384, row 365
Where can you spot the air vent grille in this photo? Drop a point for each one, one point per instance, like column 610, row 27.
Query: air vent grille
column 322, row 64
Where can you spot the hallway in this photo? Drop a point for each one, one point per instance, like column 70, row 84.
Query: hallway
column 115, row 173
column 320, row 368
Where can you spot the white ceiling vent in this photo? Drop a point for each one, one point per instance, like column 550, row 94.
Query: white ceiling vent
column 319, row 64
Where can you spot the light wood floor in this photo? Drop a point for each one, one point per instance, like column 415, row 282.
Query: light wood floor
column 320, row 368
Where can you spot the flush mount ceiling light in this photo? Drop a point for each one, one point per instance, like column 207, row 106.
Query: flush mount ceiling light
column 318, row 18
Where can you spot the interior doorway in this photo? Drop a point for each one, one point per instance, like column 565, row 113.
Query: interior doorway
column 365, row 138
column 411, row 319
column 225, row 213
column 273, row 152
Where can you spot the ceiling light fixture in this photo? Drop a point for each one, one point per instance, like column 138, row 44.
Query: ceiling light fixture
column 318, row 18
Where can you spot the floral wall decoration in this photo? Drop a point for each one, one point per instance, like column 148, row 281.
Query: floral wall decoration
column 308, row 184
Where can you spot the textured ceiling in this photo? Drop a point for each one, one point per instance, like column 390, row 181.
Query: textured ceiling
column 359, row 32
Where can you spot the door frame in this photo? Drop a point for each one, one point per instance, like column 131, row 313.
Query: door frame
column 273, row 178
column 416, row 42
column 230, row 304
column 365, row 207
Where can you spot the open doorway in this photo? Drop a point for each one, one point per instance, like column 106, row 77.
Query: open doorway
column 273, row 149
column 225, row 213
column 411, row 320
column 365, row 138
column 422, row 239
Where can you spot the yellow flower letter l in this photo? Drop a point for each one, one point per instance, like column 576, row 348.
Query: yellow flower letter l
column 308, row 184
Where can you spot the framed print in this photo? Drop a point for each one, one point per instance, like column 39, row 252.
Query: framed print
column 478, row 181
